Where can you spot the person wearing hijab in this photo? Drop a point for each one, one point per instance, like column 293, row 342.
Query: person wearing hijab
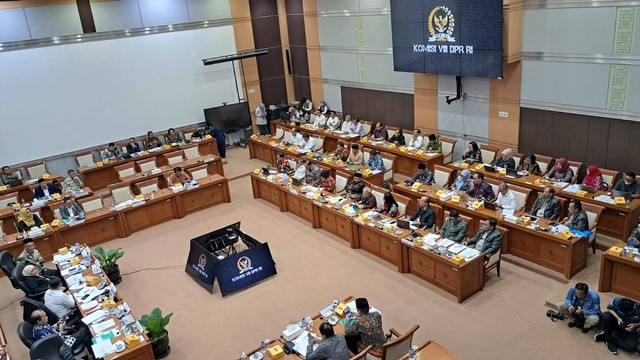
column 35, row 282
column 261, row 119
column 473, row 153
column 379, row 132
column 506, row 160
column 529, row 165
column 463, row 181
column 389, row 206
column 27, row 220
column 561, row 171
column 593, row 178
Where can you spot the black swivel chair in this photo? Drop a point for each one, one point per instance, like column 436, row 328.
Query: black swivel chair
column 30, row 305
column 52, row 347
column 17, row 275
column 7, row 264
column 25, row 333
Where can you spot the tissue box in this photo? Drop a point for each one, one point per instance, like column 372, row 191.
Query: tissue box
column 366, row 172
column 539, row 182
column 365, row 138
column 292, row 123
column 56, row 197
column 503, row 172
column 457, row 259
column 207, row 137
column 616, row 251
column 99, row 163
column 581, row 193
column 139, row 197
column 525, row 220
column 92, row 280
column 416, row 185
column 479, row 167
column 292, row 331
column 464, row 165
column 566, row 235
column 403, row 149
column 16, row 206
column 75, row 261
column 46, row 176
column 276, row 352
column 391, row 146
column 477, row 205
column 418, row 242
column 340, row 309
column 272, row 143
column 44, row 226
column 63, row 251
column 132, row 340
column 440, row 192
column 3, row 187
column 619, row 200
column 256, row 171
column 177, row 185
column 455, row 199
column 420, row 152
column 254, row 136
column 108, row 304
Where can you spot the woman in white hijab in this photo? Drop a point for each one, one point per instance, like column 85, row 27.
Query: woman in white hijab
column 463, row 181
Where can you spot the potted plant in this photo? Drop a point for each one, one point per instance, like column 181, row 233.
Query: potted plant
column 108, row 260
column 155, row 325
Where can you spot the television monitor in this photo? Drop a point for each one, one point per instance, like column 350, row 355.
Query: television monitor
column 229, row 117
column 448, row 37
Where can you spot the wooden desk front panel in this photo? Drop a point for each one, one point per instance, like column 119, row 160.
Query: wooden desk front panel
column 620, row 275
column 96, row 231
column 148, row 215
column 432, row 350
column 267, row 191
column 299, row 206
column 140, row 352
column 260, row 151
column 381, row 245
column 336, row 223
column 9, row 222
column 203, row 197
column 99, row 177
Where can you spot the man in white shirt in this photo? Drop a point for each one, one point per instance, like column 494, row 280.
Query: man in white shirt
column 346, row 124
column 417, row 141
column 56, row 300
column 506, row 199
column 333, row 123
column 308, row 143
column 357, row 127
column 296, row 138
column 320, row 120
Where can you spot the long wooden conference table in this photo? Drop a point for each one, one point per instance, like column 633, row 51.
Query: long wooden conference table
column 24, row 191
column 100, row 175
column 106, row 224
column 620, row 274
column 615, row 220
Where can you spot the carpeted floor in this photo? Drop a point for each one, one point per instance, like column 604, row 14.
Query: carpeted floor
column 504, row 321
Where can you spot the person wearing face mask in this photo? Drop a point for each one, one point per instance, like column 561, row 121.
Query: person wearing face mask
column 629, row 184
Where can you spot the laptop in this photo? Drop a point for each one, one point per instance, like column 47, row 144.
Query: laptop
column 589, row 189
column 296, row 181
column 15, row 183
column 513, row 174
column 403, row 224
column 489, row 168
column 625, row 194
column 490, row 206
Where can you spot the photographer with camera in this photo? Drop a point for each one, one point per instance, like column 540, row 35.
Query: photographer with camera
column 583, row 305
column 620, row 324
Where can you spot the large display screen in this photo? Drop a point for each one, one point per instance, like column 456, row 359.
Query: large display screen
column 229, row 117
column 448, row 37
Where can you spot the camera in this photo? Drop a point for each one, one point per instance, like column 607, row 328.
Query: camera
column 555, row 315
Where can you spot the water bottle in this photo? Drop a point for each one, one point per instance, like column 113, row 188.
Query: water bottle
column 263, row 345
column 244, row 356
column 413, row 352
column 632, row 244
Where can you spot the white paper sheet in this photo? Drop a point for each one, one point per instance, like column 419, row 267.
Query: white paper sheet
column 93, row 317
column 103, row 348
column 301, row 343
column 103, row 326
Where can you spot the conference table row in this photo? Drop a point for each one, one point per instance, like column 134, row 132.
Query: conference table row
column 532, row 243
column 106, row 224
column 428, row 350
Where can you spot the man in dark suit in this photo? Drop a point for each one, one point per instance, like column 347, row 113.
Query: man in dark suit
column 488, row 239
column 546, row 205
column 424, row 214
column 577, row 218
column 70, row 208
column 45, row 189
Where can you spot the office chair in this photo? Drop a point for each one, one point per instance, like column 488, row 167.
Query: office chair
column 30, row 305
column 17, row 275
column 25, row 333
column 7, row 263
column 50, row 348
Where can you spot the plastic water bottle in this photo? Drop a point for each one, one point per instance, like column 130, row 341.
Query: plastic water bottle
column 632, row 244
column 263, row 345
column 349, row 315
column 244, row 356
column 413, row 352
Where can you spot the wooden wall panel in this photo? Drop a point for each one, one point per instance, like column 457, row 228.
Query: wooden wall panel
column 298, row 50
column 391, row 108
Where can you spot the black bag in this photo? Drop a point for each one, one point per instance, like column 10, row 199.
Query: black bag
column 578, row 320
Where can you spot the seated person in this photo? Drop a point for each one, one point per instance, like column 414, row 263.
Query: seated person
column 346, row 124
column 397, row 138
column 333, row 122
column 31, row 256
column 41, row 329
column 342, row 152
column 45, row 188
column 35, row 282
column 593, row 178
column 133, row 147
column 546, row 205
column 357, row 127
column 417, row 141
column 365, row 330
column 463, row 181
column 434, row 145
column 378, row 132
column 390, row 205
column 295, row 115
column 375, row 161
column 72, row 182
column 620, row 325
column 506, row 199
column 308, row 143
column 112, row 153
column 635, row 237
column 70, row 209
column 327, row 183
column 505, row 160
column 8, row 176
column 173, row 136
column 296, row 137
column 356, row 156
column 423, row 175
column 311, row 172
column 529, row 165
column 306, row 105
column 473, row 153
column 355, row 187
column 561, row 171
column 199, row 134
column 57, row 300
column 152, row 141
column 577, row 218
column 583, row 306
column 454, row 228
column 424, row 215
column 282, row 164
column 323, row 107
column 629, row 184
column 367, row 200
column 320, row 121
column 178, row 176
column 27, row 220
column 332, row 346
column 488, row 239
column 481, row 189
